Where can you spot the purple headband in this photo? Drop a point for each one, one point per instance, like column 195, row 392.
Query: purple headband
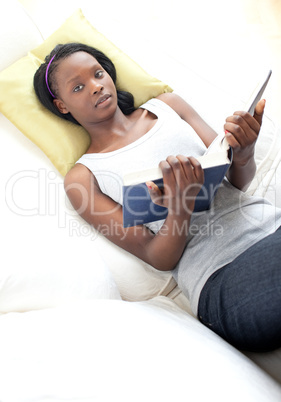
column 46, row 76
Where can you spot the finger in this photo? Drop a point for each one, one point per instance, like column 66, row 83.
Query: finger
column 236, row 135
column 194, row 175
column 247, row 119
column 192, row 168
column 197, row 168
column 186, row 167
column 243, row 127
column 177, row 169
column 168, row 176
column 244, row 120
column 154, row 192
column 259, row 110
column 192, row 172
column 232, row 141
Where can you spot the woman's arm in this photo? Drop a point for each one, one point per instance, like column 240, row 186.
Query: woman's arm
column 162, row 250
column 187, row 113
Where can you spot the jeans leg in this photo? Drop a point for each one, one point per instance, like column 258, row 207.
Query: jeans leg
column 242, row 301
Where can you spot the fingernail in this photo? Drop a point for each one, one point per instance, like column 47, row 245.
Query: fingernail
column 149, row 186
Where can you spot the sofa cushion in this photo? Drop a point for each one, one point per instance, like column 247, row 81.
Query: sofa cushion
column 18, row 33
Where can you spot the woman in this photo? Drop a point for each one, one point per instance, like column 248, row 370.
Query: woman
column 226, row 260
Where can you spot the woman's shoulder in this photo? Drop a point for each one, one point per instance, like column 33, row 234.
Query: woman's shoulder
column 77, row 174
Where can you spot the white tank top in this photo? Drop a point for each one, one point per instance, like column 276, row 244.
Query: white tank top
column 234, row 223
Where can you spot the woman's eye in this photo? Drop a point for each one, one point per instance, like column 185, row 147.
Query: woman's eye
column 99, row 74
column 78, row 88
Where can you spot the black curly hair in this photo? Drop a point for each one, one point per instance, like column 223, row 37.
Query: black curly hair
column 62, row 51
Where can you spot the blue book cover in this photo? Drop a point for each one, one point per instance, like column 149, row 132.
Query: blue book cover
column 138, row 207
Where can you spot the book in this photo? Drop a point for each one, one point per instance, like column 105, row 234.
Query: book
column 257, row 93
column 138, row 208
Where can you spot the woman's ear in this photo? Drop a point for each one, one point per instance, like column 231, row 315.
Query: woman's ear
column 59, row 104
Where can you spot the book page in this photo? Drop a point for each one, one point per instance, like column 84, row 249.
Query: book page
column 219, row 144
column 257, row 94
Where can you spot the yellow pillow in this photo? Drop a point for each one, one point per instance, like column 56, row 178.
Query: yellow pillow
column 63, row 142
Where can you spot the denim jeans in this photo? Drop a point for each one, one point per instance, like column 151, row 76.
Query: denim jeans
column 242, row 301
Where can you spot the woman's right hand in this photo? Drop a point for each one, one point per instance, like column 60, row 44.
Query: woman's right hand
column 183, row 178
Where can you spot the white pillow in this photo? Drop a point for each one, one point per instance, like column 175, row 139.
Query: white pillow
column 136, row 280
column 59, row 272
column 18, row 33
column 112, row 351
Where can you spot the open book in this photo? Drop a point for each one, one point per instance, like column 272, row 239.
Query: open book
column 138, row 207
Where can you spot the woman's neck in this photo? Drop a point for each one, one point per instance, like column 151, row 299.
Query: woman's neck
column 109, row 134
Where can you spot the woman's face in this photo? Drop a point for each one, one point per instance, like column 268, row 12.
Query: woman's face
column 85, row 89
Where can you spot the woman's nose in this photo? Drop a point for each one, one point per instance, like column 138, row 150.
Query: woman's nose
column 96, row 87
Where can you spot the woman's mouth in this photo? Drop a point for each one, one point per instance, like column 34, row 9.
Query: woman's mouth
column 102, row 100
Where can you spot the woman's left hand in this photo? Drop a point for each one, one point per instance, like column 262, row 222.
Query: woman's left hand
column 241, row 131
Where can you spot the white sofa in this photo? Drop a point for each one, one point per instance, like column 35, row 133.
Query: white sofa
column 81, row 319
